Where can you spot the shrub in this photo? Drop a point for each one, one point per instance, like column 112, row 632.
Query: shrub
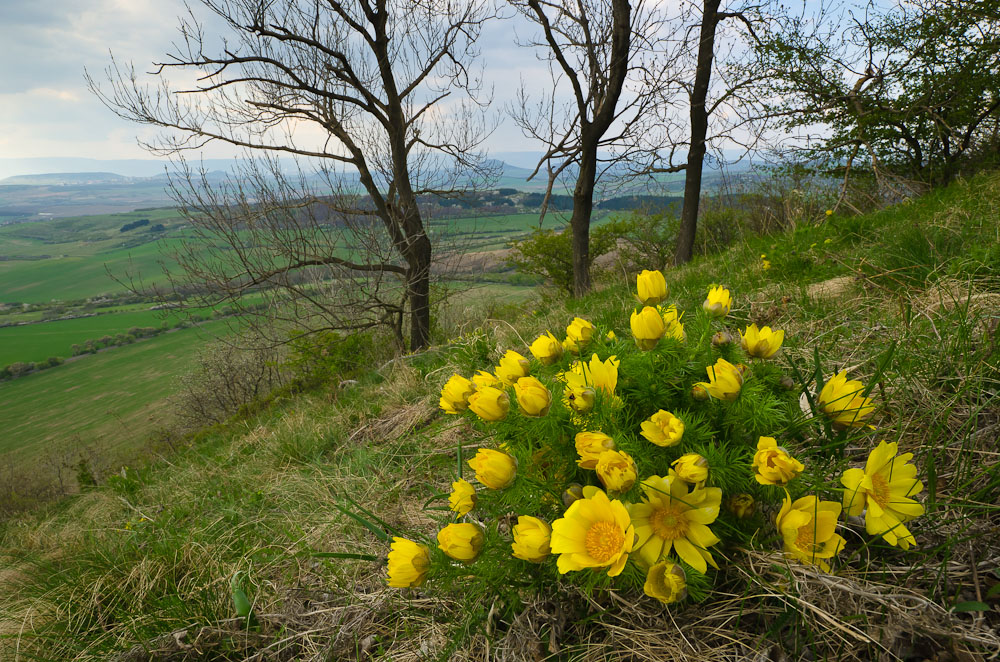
column 225, row 380
column 549, row 254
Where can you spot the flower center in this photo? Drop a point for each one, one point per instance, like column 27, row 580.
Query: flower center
column 881, row 492
column 604, row 540
column 668, row 523
column 806, row 540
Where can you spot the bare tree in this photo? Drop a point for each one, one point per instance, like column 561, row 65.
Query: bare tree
column 604, row 51
column 724, row 98
column 376, row 96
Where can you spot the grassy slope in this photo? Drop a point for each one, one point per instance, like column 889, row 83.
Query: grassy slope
column 152, row 552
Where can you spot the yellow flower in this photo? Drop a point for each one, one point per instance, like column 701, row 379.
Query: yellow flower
column 408, row 563
column 531, row 539
column 808, row 527
column 610, row 335
column 691, row 468
column 842, row 401
column 463, row 497
column 580, row 399
column 590, row 445
column 773, row 465
column 742, row 505
column 578, row 333
column 462, row 542
column 546, row 348
column 829, row 212
column 647, row 328
column 490, row 404
column 651, row 287
column 595, row 373
column 617, row 471
column 512, row 367
column 483, row 378
column 494, row 469
column 718, row 302
column 532, row 397
column 455, row 394
column 669, row 517
column 663, row 429
column 724, row 381
column 672, row 322
column 595, row 532
column 666, row 581
column 761, row 343
column 884, row 488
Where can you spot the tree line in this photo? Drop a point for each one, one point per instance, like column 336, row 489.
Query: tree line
column 388, row 98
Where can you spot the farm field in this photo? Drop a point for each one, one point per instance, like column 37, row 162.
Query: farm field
column 108, row 400
column 37, row 342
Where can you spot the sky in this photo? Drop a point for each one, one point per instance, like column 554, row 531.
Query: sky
column 46, row 109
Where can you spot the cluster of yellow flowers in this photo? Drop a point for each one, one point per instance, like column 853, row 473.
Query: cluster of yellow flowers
column 663, row 525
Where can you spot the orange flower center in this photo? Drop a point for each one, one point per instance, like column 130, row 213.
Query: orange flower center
column 604, row 540
column 880, row 494
column 669, row 523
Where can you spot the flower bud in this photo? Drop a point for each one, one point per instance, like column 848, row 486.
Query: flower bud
column 455, row 394
column 581, row 399
column 590, row 445
column 483, row 378
column 741, row 505
column 787, row 383
column 531, row 539
column 572, row 493
column 407, row 564
column 722, row 338
column 647, row 328
column 691, row 468
column 462, row 542
column 617, row 471
column 761, row 343
column 490, row 404
column 463, row 497
column 533, row 398
column 494, row 469
column 546, row 348
column 512, row 367
column 578, row 334
column 698, row 392
column 651, row 287
column 718, row 302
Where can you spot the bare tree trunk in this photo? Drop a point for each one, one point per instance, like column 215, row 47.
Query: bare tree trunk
column 583, row 205
column 418, row 286
column 699, row 131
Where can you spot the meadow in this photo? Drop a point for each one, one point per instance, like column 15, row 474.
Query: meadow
column 291, row 505
column 37, row 342
column 105, row 402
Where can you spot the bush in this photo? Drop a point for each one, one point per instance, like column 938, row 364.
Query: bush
column 322, row 357
column 549, row 254
column 226, row 380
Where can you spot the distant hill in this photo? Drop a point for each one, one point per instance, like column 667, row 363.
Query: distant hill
column 64, row 178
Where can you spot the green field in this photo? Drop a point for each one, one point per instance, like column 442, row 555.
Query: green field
column 37, row 342
column 69, row 259
column 111, row 399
